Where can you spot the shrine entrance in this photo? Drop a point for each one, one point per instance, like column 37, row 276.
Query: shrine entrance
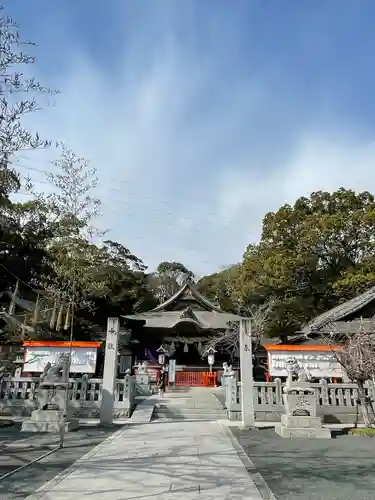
column 196, row 379
column 182, row 326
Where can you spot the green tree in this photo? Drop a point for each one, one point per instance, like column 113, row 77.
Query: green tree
column 169, row 278
column 311, row 256
column 125, row 287
column 22, row 225
column 221, row 288
column 71, row 210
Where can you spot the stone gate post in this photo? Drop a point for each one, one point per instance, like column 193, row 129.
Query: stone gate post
column 247, row 380
column 109, row 372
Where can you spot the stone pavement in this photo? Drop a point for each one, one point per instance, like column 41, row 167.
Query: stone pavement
column 18, row 449
column 179, row 460
column 312, row 469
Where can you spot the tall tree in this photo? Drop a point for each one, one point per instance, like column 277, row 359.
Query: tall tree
column 72, row 209
column 309, row 253
column 22, row 226
column 125, row 285
column 169, row 278
column 221, row 288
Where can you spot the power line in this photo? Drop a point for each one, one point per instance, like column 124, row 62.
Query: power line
column 152, row 209
column 116, row 190
column 154, row 220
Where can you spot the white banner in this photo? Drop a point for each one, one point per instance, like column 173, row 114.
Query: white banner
column 83, row 358
column 318, row 363
column 172, row 371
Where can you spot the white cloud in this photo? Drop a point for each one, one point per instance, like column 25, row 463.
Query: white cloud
column 186, row 155
column 321, row 161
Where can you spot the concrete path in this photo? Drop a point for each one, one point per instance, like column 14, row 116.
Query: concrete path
column 165, row 461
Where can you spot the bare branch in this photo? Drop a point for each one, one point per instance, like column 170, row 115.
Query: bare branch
column 355, row 352
column 14, row 137
column 228, row 341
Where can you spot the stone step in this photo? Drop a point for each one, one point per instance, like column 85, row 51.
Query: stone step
column 177, row 418
column 182, row 408
column 187, row 408
column 185, row 419
column 193, row 415
column 217, row 416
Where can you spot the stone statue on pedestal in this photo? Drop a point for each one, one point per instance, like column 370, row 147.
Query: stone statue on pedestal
column 294, row 370
column 54, row 410
column 53, row 384
column 142, row 368
column 301, row 403
column 142, row 376
column 228, row 370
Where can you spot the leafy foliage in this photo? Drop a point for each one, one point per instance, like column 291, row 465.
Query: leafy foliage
column 311, row 256
column 169, row 278
column 221, row 288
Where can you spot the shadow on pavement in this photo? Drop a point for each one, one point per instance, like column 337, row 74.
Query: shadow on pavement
column 337, row 469
column 17, row 449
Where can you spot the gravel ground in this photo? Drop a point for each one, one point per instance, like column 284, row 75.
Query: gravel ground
column 18, row 448
column 305, row 469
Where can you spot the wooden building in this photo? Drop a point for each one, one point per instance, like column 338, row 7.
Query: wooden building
column 183, row 324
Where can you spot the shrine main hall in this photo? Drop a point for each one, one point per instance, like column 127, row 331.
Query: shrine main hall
column 182, row 326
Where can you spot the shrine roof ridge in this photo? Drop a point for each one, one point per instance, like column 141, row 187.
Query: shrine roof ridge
column 188, row 289
column 340, row 312
column 169, row 319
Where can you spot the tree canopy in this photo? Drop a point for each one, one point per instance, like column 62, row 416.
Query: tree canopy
column 169, row 278
column 310, row 257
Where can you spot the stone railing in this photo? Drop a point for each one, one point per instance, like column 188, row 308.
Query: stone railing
column 18, row 397
column 336, row 402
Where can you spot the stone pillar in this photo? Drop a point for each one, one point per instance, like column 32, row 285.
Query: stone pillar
column 110, row 372
column 246, row 361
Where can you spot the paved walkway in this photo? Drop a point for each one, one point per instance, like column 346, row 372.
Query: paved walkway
column 180, row 460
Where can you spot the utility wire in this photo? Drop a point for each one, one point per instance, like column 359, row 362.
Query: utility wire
column 116, row 190
column 201, row 231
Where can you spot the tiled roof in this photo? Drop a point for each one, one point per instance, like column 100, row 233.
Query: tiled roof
column 340, row 312
column 169, row 319
column 354, row 326
column 188, row 290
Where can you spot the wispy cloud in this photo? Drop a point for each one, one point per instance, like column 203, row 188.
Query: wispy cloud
column 195, row 142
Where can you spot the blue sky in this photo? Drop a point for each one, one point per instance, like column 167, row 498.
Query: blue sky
column 201, row 116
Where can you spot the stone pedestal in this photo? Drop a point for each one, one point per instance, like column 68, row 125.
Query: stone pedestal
column 300, row 419
column 49, row 421
column 143, row 379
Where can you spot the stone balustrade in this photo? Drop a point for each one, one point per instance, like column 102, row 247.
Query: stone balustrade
column 18, row 396
column 337, row 403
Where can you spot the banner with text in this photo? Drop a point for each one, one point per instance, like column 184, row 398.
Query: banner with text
column 83, row 358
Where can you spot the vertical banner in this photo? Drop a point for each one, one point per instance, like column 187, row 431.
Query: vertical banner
column 172, row 371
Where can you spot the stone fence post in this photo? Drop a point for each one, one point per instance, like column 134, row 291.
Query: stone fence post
column 230, row 392
column 278, row 392
column 324, row 392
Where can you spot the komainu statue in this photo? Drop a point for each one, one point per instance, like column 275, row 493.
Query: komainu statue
column 53, row 384
column 294, row 370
